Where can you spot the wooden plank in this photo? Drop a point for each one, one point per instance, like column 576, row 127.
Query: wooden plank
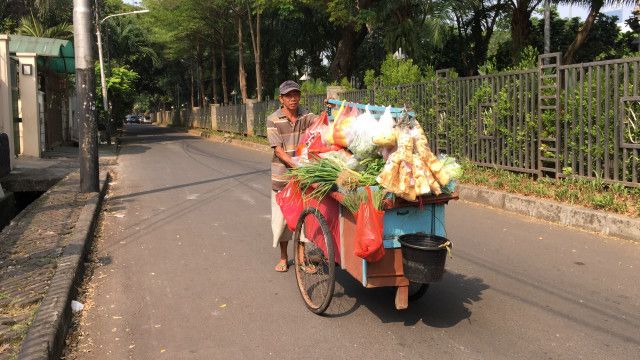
column 402, row 297
column 352, row 264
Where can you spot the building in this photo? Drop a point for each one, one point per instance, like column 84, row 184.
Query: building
column 37, row 91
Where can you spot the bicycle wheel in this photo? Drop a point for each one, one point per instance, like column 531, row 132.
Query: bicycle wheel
column 416, row 290
column 315, row 268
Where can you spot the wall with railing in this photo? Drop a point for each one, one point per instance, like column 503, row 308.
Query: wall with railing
column 556, row 120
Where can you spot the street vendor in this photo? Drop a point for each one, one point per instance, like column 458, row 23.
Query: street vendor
column 285, row 127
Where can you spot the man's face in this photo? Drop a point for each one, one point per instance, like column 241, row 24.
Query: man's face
column 290, row 100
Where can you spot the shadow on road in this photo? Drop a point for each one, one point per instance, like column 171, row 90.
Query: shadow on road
column 444, row 305
column 207, row 181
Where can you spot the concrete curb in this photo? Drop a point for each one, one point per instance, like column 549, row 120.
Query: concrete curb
column 578, row 217
column 46, row 336
column 574, row 216
column 232, row 141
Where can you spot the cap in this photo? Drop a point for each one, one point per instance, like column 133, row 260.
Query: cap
column 288, row 86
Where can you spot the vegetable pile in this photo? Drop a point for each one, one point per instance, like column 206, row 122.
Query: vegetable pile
column 392, row 154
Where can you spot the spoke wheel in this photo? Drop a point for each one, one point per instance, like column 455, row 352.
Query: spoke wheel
column 315, row 268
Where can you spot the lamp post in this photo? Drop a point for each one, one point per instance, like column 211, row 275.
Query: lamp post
column 103, row 81
column 234, row 93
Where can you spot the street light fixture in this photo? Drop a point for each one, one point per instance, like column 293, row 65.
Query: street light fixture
column 103, row 81
column 234, row 93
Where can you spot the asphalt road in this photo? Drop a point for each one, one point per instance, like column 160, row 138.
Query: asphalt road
column 187, row 273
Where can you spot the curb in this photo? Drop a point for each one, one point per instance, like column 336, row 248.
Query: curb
column 574, row 216
column 578, row 217
column 226, row 140
column 46, row 336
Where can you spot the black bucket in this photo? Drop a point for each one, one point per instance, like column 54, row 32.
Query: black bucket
column 423, row 257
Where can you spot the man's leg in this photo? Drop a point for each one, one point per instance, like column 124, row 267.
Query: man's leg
column 279, row 229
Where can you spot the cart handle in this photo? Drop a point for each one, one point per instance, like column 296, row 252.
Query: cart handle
column 373, row 108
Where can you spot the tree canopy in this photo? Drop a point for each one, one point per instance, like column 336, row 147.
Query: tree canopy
column 193, row 52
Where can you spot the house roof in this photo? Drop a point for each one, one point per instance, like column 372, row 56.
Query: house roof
column 57, row 53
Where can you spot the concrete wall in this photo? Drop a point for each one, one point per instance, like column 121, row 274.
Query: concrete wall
column 29, row 99
column 6, row 102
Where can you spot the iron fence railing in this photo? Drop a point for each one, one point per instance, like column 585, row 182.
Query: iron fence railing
column 599, row 121
column 557, row 120
column 232, row 118
column 261, row 111
column 314, row 103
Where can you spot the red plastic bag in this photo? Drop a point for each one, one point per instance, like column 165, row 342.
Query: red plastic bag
column 311, row 141
column 291, row 204
column 369, row 225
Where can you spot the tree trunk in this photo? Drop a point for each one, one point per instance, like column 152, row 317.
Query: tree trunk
column 201, row 79
column 582, row 34
column 223, row 75
column 214, row 76
column 255, row 41
column 242, row 75
column 547, row 26
column 192, row 88
column 342, row 64
column 520, row 20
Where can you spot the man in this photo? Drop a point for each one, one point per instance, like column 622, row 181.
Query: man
column 285, row 127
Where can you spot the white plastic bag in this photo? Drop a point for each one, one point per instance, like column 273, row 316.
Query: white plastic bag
column 364, row 128
column 386, row 127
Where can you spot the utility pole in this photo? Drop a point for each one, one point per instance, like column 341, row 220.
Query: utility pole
column 85, row 92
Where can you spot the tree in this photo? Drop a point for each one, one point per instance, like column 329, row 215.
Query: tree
column 521, row 11
column 583, row 32
column 31, row 26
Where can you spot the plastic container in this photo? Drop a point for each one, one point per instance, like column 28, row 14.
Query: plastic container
column 423, row 257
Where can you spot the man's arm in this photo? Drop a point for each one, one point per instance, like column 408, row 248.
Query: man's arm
column 282, row 155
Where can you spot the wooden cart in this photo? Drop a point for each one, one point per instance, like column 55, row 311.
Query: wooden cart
column 329, row 230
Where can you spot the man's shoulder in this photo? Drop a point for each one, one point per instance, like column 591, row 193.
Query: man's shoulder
column 275, row 115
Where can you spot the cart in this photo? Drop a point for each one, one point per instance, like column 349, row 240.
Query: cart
column 329, row 241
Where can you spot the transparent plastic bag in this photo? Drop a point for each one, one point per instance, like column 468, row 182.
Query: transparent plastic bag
column 364, row 129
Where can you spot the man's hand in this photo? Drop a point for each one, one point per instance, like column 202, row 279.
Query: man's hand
column 282, row 155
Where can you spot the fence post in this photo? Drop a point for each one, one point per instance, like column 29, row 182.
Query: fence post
column 549, row 106
column 250, row 113
column 214, row 116
column 440, row 125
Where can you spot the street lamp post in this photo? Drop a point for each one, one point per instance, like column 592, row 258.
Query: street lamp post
column 103, row 81
column 234, row 93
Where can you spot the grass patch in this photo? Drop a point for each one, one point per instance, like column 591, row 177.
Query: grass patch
column 595, row 194
column 253, row 138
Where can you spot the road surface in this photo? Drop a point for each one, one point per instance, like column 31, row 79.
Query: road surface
column 187, row 273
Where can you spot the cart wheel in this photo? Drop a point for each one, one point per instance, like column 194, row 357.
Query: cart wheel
column 416, row 290
column 315, row 270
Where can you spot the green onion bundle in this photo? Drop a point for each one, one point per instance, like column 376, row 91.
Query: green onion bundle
column 353, row 199
column 322, row 173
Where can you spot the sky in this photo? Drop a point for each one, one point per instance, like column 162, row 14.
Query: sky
column 577, row 11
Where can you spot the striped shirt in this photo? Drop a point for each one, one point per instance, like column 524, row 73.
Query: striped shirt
column 281, row 132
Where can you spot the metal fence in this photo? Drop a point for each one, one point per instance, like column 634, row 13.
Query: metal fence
column 232, row 118
column 577, row 120
column 314, row 103
column 261, row 111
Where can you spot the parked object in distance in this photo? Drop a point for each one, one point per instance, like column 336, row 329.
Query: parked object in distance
column 146, row 119
column 133, row 119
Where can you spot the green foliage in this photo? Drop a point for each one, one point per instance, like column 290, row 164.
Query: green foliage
column 395, row 72
column 31, row 26
column 313, row 87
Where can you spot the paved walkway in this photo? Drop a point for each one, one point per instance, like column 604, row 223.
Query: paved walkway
column 32, row 243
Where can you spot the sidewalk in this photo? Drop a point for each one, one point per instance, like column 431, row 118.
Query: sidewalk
column 35, row 248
